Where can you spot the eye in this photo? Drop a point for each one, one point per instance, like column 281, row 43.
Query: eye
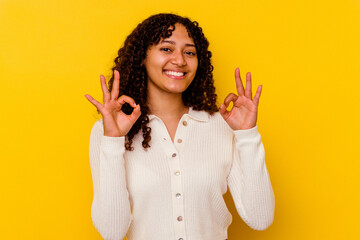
column 165, row 49
column 190, row 53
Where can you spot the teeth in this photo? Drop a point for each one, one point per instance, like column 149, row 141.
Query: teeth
column 178, row 74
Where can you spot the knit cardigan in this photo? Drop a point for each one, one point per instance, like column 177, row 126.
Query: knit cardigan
column 174, row 190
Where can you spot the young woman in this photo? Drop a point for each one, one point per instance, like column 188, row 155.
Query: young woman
column 162, row 156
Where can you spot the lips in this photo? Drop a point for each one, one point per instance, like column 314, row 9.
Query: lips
column 175, row 74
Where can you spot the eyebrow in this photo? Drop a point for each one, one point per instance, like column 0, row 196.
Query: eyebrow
column 173, row 43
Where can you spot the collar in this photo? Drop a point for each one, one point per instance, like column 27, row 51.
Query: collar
column 201, row 116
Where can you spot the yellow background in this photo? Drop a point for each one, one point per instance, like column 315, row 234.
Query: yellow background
column 304, row 52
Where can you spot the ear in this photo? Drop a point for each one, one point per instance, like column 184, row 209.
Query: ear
column 143, row 63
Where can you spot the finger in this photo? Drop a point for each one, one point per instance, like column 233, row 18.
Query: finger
column 239, row 85
column 105, row 90
column 248, row 93
column 94, row 102
column 224, row 112
column 257, row 95
column 135, row 113
column 115, row 86
column 230, row 98
column 126, row 99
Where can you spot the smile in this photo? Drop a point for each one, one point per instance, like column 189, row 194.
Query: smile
column 175, row 74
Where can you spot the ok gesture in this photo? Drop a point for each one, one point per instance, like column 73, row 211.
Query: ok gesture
column 116, row 122
column 243, row 114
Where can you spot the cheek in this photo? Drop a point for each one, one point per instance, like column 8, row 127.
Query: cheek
column 154, row 61
column 158, row 63
column 153, row 66
column 194, row 65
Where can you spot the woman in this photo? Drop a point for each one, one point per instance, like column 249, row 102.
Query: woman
column 167, row 181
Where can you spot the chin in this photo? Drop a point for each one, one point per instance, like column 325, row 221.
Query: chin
column 177, row 89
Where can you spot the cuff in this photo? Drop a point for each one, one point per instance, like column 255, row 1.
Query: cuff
column 246, row 135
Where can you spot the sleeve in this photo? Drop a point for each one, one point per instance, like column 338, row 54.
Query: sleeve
column 249, row 181
column 110, row 209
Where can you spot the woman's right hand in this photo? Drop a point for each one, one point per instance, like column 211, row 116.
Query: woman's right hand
column 116, row 122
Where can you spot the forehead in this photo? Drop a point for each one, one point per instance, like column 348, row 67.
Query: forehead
column 180, row 34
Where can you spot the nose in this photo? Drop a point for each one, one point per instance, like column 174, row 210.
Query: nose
column 178, row 58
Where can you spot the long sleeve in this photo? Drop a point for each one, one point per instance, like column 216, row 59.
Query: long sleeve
column 110, row 210
column 249, row 181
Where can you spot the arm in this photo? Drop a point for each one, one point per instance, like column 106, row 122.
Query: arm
column 110, row 210
column 249, row 181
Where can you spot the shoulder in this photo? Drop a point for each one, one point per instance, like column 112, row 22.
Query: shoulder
column 218, row 122
column 213, row 132
column 204, row 116
column 218, row 119
column 215, row 121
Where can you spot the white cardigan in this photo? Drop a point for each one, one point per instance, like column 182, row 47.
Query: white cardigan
column 174, row 190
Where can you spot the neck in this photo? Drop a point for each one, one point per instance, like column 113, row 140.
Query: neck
column 166, row 105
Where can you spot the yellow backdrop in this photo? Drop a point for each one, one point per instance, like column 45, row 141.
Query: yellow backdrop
column 304, row 52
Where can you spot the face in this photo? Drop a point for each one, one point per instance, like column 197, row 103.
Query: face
column 171, row 64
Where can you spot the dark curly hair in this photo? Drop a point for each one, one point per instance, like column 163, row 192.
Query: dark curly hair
column 133, row 77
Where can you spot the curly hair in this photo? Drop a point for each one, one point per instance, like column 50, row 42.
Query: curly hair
column 200, row 95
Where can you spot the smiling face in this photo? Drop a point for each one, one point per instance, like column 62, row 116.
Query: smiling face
column 171, row 64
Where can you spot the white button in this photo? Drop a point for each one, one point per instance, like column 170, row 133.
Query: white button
column 179, row 218
column 179, row 140
column 173, row 155
column 185, row 123
column 178, row 195
column 177, row 173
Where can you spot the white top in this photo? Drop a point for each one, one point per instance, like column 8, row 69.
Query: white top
column 174, row 191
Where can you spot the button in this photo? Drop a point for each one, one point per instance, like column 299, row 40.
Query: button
column 180, row 239
column 164, row 139
column 177, row 173
column 185, row 123
column 179, row 218
column 173, row 155
column 179, row 140
column 178, row 195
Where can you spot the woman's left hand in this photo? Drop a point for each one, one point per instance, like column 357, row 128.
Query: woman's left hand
column 243, row 114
